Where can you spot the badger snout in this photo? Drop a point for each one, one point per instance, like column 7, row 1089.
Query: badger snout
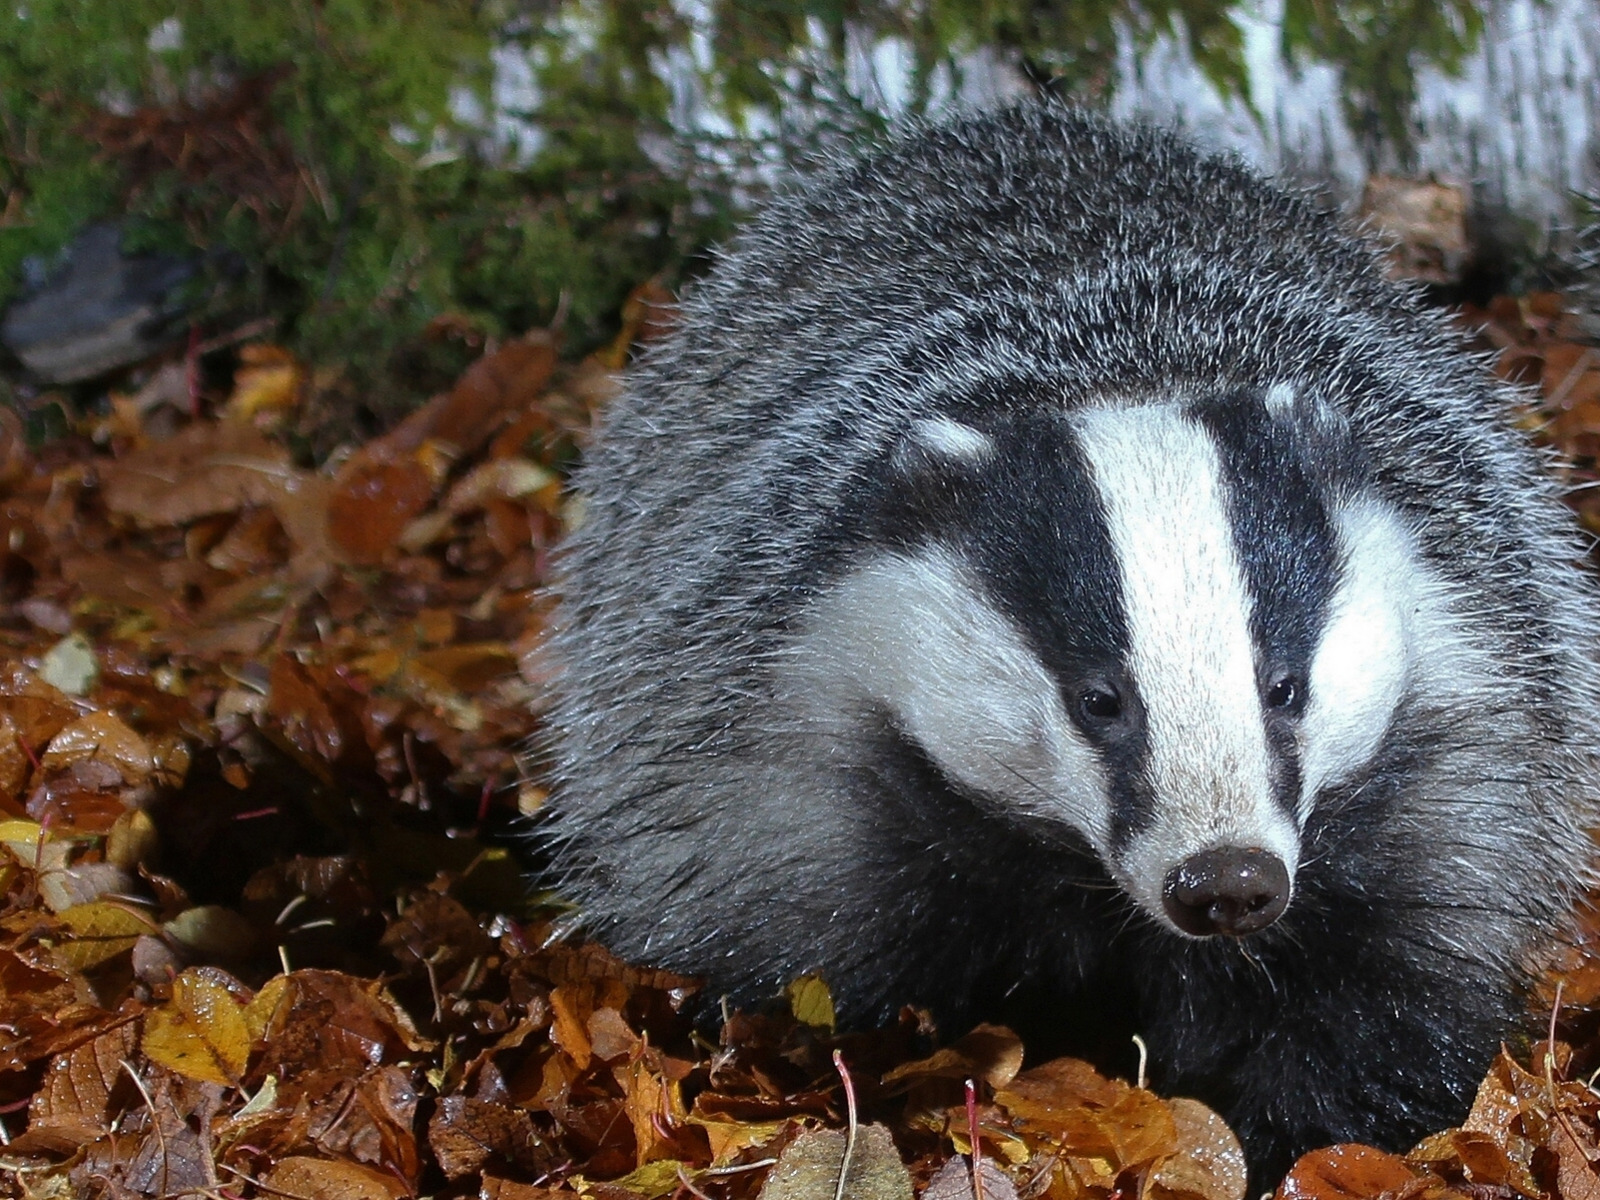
column 1226, row 890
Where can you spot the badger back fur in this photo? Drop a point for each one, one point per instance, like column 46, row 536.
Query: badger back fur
column 1051, row 573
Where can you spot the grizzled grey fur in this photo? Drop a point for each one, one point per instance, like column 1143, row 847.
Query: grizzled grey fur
column 1005, row 266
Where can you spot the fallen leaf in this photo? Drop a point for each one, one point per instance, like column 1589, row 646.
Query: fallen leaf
column 99, row 932
column 1209, row 1164
column 102, row 737
column 70, row 666
column 205, row 468
column 371, row 505
column 809, row 1168
column 268, row 379
column 991, row 1053
column 200, row 1033
column 469, row 1135
column 1345, row 1172
column 811, row 1002
column 327, row 1179
column 86, row 1087
column 953, row 1181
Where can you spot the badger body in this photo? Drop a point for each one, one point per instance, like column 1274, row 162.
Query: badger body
column 1051, row 576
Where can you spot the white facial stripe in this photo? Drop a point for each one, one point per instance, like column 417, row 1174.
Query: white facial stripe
column 1392, row 630
column 1192, row 655
column 1360, row 668
column 952, row 439
column 912, row 632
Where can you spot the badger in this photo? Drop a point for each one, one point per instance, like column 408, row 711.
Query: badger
column 1052, row 575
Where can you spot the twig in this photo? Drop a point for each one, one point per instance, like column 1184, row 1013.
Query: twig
column 972, row 1136
column 850, row 1122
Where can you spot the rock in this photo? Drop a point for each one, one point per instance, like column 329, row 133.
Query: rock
column 99, row 310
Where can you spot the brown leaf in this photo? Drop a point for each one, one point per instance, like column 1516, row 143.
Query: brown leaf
column 328, row 1021
column 15, row 765
column 85, row 1088
column 1089, row 1115
column 953, row 1181
column 321, row 721
column 1576, row 1175
column 508, row 380
column 1475, row 1157
column 329, row 1180
column 101, row 737
column 655, row 1106
column 991, row 1053
column 1209, row 1164
column 205, row 468
column 610, row 1036
column 370, row 1118
column 1345, row 1172
column 372, row 503
column 569, row 1024
column 14, row 458
column 171, row 1140
column 464, row 667
column 36, row 711
column 469, row 1135
column 506, row 1189
column 438, row 931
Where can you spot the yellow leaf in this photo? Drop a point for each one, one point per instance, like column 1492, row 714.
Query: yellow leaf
column 275, row 995
column 653, row 1179
column 100, row 930
column 811, row 1002
column 268, row 380
column 201, row 1032
column 22, row 836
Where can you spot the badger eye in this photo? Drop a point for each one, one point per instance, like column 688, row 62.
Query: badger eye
column 1285, row 693
column 1100, row 704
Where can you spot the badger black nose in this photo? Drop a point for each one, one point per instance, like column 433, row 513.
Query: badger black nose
column 1227, row 890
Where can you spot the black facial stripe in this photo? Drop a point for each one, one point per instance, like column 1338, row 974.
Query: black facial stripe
column 1287, row 548
column 1031, row 519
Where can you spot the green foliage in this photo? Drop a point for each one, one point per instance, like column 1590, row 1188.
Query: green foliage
column 337, row 160
column 1379, row 45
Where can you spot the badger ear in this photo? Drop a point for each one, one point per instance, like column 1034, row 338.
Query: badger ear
column 1304, row 408
column 942, row 440
column 1323, row 435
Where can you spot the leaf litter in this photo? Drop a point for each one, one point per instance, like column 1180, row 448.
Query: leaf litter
column 262, row 929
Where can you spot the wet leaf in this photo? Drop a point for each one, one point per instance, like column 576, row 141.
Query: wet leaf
column 84, row 1088
column 200, row 1033
column 469, row 1136
column 103, row 738
column 1345, row 1172
column 1209, row 1164
column 328, row 1179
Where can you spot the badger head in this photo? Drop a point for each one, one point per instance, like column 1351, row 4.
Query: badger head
column 1170, row 626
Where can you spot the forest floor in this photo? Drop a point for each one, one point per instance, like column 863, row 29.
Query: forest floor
column 263, row 926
